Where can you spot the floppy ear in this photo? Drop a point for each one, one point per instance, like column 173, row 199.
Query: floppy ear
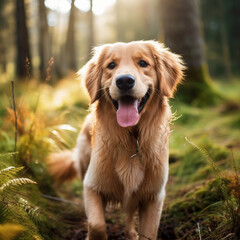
column 169, row 67
column 91, row 74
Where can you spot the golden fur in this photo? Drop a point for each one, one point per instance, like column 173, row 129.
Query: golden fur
column 104, row 148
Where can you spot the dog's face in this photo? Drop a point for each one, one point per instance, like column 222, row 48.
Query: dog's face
column 129, row 74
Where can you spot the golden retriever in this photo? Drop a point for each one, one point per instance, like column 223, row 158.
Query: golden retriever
column 122, row 149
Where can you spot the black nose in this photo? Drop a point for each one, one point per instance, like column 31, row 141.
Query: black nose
column 125, row 82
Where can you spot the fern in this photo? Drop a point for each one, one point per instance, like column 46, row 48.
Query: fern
column 35, row 213
column 61, row 136
column 9, row 187
column 9, row 181
column 15, row 183
column 8, row 173
column 226, row 213
column 6, row 170
column 13, row 207
column 9, row 184
column 217, row 172
column 7, row 156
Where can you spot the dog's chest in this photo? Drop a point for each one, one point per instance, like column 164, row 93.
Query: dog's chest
column 130, row 171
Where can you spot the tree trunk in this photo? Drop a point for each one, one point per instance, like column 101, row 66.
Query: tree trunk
column 3, row 57
column 182, row 35
column 23, row 50
column 3, row 47
column 225, row 45
column 3, row 60
column 91, row 37
column 44, row 41
column 70, row 43
column 119, row 28
column 149, row 15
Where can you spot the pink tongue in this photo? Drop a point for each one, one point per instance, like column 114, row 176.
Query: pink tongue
column 127, row 113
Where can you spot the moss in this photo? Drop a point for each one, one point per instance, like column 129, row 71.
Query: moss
column 202, row 173
column 235, row 123
column 188, row 165
column 181, row 217
column 198, row 88
column 193, row 166
column 216, row 152
column 190, row 117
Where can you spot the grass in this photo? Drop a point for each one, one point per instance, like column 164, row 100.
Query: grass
column 202, row 198
column 196, row 200
column 40, row 131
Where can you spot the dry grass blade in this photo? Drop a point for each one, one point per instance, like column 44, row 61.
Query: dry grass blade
column 15, row 119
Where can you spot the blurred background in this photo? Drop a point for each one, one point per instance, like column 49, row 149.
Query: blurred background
column 66, row 30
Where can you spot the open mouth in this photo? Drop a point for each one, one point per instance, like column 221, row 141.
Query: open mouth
column 128, row 109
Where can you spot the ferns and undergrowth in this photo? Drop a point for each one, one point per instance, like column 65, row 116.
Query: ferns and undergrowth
column 203, row 193
column 210, row 210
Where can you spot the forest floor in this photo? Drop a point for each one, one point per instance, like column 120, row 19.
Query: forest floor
column 203, row 200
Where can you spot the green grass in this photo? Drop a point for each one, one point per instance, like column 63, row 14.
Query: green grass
column 49, row 120
column 194, row 195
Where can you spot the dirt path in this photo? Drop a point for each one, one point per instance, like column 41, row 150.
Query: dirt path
column 115, row 227
column 74, row 217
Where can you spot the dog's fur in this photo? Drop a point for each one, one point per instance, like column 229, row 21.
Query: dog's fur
column 102, row 157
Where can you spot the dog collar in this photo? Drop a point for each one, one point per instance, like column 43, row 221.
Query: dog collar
column 137, row 150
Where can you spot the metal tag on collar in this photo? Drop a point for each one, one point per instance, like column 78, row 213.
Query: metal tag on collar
column 135, row 154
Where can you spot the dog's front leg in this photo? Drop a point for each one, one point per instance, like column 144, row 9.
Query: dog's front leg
column 95, row 213
column 130, row 209
column 150, row 214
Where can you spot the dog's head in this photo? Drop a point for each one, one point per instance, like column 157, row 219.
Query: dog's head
column 129, row 74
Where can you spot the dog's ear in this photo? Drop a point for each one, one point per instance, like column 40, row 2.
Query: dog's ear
column 91, row 73
column 169, row 68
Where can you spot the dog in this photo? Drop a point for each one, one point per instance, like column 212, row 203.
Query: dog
column 122, row 150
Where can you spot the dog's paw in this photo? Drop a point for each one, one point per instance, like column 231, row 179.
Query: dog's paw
column 96, row 233
column 131, row 235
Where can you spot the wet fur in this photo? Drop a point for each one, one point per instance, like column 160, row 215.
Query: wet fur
column 102, row 155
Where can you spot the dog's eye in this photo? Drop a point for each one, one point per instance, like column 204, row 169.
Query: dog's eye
column 143, row 63
column 111, row 65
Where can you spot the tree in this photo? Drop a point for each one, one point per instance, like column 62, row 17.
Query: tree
column 182, row 35
column 70, row 42
column 130, row 26
column 91, row 40
column 23, row 49
column 149, row 13
column 44, row 40
column 3, row 50
column 119, row 27
column 225, row 45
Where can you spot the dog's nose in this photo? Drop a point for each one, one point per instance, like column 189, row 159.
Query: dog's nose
column 125, row 82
